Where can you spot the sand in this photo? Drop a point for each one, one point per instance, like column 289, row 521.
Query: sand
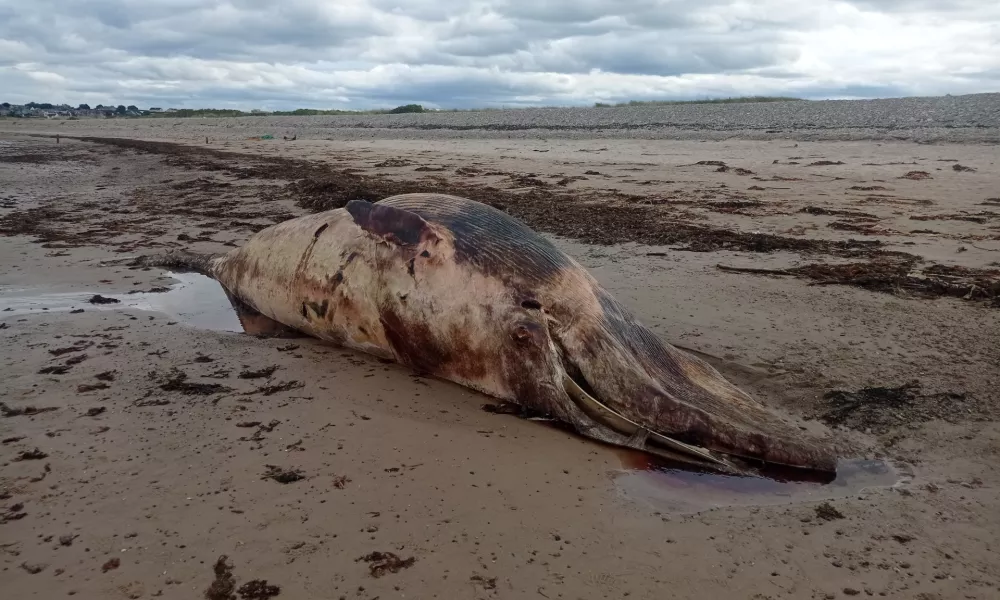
column 166, row 468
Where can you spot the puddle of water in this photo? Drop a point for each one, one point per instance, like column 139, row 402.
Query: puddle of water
column 672, row 489
column 196, row 301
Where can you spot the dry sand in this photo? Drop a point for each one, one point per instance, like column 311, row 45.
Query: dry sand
column 151, row 466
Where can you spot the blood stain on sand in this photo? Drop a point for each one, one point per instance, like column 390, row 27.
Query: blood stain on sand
column 671, row 488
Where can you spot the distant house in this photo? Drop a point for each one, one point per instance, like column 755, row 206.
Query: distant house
column 155, row 109
column 57, row 111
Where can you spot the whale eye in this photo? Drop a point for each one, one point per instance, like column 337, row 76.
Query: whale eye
column 531, row 304
column 522, row 333
column 526, row 332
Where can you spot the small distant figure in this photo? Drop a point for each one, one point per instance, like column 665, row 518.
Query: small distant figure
column 57, row 138
column 206, row 139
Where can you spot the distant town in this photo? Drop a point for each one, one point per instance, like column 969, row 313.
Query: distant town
column 43, row 110
column 51, row 111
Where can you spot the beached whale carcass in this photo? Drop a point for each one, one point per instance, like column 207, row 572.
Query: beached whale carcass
column 465, row 292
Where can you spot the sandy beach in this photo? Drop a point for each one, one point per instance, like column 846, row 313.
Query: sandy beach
column 852, row 284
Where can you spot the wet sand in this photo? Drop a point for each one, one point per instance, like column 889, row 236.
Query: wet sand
column 167, row 422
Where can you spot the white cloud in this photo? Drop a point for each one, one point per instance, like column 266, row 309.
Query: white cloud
column 364, row 53
column 46, row 77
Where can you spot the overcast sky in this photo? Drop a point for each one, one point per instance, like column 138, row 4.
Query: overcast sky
column 468, row 53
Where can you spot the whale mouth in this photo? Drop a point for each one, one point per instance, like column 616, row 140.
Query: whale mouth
column 640, row 437
column 643, row 438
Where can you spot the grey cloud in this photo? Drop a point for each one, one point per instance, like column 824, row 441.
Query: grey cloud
column 568, row 11
column 500, row 52
column 920, row 5
column 236, row 30
column 663, row 53
column 638, row 13
column 425, row 10
column 484, row 46
column 592, row 36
